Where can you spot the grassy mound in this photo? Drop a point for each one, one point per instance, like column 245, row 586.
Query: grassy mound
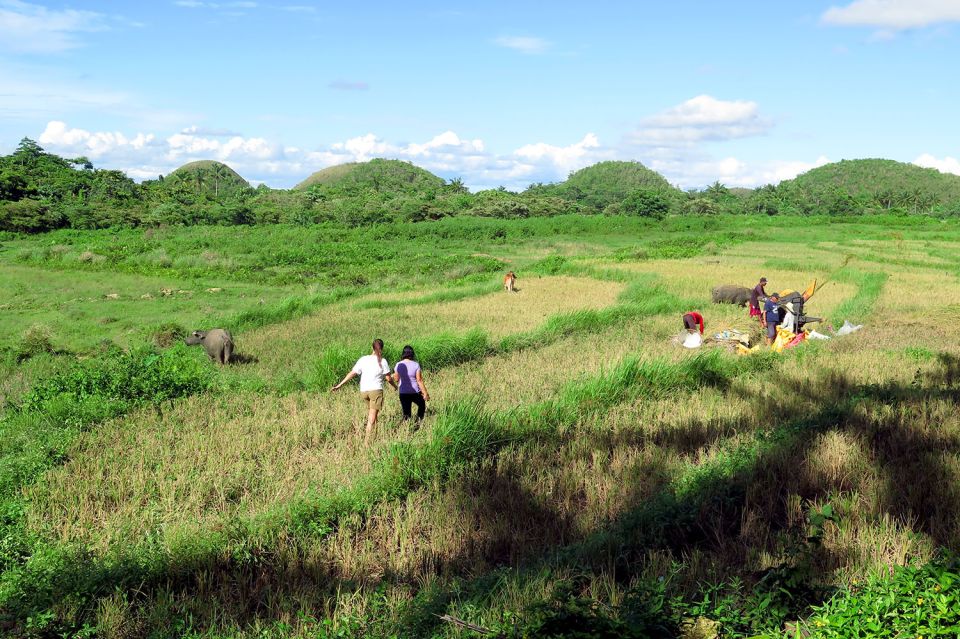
column 376, row 175
column 885, row 184
column 207, row 177
column 607, row 182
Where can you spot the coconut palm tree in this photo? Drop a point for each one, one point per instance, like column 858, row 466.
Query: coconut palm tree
column 219, row 172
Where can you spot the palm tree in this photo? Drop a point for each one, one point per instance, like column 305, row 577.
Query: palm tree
column 219, row 172
column 182, row 179
column 200, row 177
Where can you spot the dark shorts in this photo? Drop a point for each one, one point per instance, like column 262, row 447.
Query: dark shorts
column 771, row 331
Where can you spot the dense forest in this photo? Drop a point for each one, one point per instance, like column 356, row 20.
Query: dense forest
column 41, row 191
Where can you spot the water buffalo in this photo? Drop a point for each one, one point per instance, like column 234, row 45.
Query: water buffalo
column 731, row 294
column 217, row 342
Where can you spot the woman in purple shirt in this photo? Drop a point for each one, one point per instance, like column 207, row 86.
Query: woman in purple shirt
column 412, row 389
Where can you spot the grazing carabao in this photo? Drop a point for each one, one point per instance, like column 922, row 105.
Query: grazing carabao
column 731, row 294
column 217, row 342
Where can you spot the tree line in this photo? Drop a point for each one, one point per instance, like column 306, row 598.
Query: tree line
column 41, row 191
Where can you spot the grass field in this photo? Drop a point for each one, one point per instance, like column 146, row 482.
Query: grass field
column 577, row 466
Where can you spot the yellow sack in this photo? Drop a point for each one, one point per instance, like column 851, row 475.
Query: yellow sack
column 784, row 337
column 743, row 350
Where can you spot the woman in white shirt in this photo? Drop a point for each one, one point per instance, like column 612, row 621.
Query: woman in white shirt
column 372, row 369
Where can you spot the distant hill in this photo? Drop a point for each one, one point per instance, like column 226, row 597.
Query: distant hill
column 377, row 175
column 604, row 183
column 883, row 184
column 207, row 176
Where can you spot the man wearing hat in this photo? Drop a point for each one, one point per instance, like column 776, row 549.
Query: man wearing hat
column 756, row 294
column 771, row 316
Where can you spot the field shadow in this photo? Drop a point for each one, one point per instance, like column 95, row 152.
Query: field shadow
column 728, row 512
column 744, row 510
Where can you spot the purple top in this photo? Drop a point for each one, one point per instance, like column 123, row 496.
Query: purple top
column 407, row 370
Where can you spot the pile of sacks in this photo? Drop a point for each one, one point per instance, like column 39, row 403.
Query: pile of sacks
column 788, row 339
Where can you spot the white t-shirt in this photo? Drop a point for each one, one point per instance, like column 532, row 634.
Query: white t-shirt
column 371, row 374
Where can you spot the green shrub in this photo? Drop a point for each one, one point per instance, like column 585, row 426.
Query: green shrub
column 908, row 602
column 167, row 334
column 35, row 340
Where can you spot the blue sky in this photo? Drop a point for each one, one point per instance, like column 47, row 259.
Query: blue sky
column 497, row 93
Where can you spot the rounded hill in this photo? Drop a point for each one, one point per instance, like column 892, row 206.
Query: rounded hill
column 888, row 183
column 377, row 174
column 604, row 183
column 208, row 176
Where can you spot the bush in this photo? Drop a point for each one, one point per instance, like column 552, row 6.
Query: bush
column 910, row 602
column 120, row 381
column 645, row 203
column 35, row 340
column 167, row 334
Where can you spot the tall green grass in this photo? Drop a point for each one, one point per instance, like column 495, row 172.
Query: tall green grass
column 858, row 308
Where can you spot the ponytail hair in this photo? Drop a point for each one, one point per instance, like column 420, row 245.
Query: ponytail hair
column 378, row 349
column 408, row 353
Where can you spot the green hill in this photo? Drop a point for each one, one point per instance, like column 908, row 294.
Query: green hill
column 376, row 175
column 207, row 176
column 605, row 183
column 876, row 183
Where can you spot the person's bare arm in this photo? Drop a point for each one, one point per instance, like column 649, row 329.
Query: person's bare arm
column 346, row 379
column 389, row 377
column 423, row 387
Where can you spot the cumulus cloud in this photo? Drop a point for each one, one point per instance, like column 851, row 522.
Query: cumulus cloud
column 699, row 172
column 145, row 155
column 564, row 158
column 699, row 119
column 893, row 15
column 944, row 165
column 32, row 28
column 524, row 44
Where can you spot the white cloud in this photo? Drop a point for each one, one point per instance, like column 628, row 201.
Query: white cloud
column 145, row 155
column 893, row 15
column 699, row 119
column 524, row 44
column 31, row 28
column 945, row 165
column 730, row 171
column 564, row 158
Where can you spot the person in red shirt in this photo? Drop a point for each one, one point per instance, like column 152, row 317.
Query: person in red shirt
column 691, row 320
column 757, row 294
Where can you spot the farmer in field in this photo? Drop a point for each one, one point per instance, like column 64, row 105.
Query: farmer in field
column 693, row 320
column 372, row 369
column 771, row 316
column 758, row 293
column 408, row 375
